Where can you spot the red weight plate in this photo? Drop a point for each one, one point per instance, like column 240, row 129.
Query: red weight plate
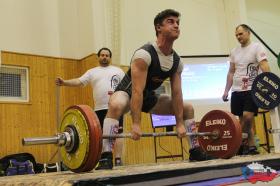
column 95, row 138
column 229, row 136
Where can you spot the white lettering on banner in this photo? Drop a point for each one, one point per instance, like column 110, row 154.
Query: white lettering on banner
column 265, row 78
column 217, row 147
column 215, row 122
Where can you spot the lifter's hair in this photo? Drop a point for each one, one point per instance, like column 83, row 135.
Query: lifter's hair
column 245, row 27
column 164, row 14
column 104, row 48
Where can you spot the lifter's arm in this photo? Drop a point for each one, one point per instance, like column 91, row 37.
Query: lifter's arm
column 139, row 70
column 177, row 103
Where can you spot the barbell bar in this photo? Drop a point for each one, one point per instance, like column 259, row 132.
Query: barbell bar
column 80, row 137
column 158, row 134
column 63, row 139
column 213, row 134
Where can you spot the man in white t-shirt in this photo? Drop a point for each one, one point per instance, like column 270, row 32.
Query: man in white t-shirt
column 245, row 62
column 151, row 64
column 103, row 80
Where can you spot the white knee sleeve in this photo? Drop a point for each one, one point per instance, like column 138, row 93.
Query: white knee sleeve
column 110, row 126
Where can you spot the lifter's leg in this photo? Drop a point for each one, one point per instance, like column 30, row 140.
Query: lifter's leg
column 164, row 107
column 190, row 125
column 195, row 152
column 118, row 148
column 118, row 104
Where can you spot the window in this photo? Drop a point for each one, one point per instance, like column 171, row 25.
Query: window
column 14, row 83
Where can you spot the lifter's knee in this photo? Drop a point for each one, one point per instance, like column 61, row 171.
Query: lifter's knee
column 117, row 106
column 188, row 111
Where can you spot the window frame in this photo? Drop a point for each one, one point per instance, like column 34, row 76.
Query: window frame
column 23, row 98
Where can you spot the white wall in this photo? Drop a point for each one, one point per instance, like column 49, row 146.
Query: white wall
column 75, row 28
column 29, row 26
column 235, row 14
column 263, row 17
column 203, row 26
column 106, row 26
column 59, row 28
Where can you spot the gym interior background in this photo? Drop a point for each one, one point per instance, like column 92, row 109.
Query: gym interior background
column 61, row 38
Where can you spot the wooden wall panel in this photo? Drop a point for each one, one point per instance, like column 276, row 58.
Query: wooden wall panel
column 38, row 116
column 143, row 151
column 260, row 131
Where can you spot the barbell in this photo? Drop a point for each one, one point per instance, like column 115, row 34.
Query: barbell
column 80, row 137
column 219, row 132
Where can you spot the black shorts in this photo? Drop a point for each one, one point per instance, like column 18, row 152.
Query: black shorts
column 149, row 97
column 242, row 101
column 149, row 100
column 101, row 116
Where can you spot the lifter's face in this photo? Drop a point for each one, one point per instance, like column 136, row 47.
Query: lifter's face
column 170, row 27
column 242, row 36
column 104, row 58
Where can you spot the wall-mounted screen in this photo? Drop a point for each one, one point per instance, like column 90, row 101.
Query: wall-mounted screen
column 204, row 80
column 163, row 120
column 203, row 83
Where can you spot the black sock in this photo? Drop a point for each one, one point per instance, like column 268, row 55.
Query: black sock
column 108, row 155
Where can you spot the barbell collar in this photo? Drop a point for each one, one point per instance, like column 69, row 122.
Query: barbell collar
column 60, row 139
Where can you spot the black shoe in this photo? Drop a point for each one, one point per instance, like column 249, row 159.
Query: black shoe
column 118, row 162
column 253, row 150
column 196, row 154
column 246, row 150
column 106, row 161
column 243, row 150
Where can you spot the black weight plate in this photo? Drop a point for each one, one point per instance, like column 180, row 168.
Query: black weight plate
column 265, row 90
